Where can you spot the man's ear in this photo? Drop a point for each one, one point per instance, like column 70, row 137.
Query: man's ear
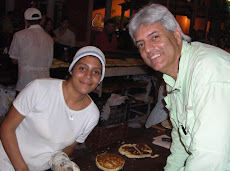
column 177, row 35
column 27, row 24
column 71, row 72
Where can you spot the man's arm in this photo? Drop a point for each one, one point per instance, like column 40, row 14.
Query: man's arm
column 9, row 140
column 14, row 51
column 178, row 156
column 210, row 134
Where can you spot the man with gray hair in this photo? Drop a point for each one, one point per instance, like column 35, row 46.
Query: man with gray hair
column 197, row 77
column 32, row 49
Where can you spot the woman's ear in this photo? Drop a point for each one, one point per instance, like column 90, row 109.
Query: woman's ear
column 71, row 72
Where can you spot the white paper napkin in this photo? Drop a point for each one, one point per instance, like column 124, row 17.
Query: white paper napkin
column 158, row 141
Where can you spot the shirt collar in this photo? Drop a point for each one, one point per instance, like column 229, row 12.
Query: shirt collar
column 168, row 79
column 35, row 26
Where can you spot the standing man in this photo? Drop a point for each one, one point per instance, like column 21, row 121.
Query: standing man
column 107, row 40
column 198, row 90
column 32, row 49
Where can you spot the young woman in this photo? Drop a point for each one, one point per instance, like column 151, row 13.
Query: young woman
column 48, row 27
column 52, row 115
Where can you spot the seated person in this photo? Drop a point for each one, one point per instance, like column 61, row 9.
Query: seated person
column 55, row 114
column 64, row 34
column 107, row 40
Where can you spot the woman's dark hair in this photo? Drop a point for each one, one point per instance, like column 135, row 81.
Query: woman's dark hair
column 47, row 20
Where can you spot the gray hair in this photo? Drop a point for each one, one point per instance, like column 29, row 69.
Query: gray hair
column 151, row 14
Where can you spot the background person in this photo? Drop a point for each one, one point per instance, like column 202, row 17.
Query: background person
column 6, row 30
column 55, row 114
column 64, row 34
column 43, row 20
column 48, row 27
column 32, row 50
column 107, row 40
column 197, row 77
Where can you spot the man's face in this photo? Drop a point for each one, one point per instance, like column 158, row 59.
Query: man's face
column 110, row 28
column 159, row 48
column 65, row 24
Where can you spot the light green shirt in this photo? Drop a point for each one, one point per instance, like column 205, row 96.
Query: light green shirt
column 200, row 103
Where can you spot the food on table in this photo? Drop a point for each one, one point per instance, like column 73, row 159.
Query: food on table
column 109, row 162
column 140, row 150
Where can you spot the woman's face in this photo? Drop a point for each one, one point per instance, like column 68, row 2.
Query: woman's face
column 49, row 26
column 86, row 74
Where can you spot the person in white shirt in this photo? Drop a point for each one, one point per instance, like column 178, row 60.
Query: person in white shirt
column 64, row 35
column 32, row 49
column 50, row 116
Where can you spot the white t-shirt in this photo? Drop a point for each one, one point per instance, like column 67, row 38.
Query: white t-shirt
column 48, row 127
column 33, row 48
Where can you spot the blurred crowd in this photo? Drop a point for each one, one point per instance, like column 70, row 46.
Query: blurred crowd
column 11, row 23
column 220, row 39
column 114, row 37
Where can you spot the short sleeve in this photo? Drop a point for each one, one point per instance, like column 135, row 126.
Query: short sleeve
column 91, row 123
column 27, row 99
column 14, row 47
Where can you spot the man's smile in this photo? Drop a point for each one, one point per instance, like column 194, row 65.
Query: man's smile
column 155, row 56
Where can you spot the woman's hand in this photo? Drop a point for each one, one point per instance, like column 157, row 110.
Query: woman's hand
column 22, row 168
column 69, row 150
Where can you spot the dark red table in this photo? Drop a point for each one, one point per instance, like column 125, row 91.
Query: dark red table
column 86, row 161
